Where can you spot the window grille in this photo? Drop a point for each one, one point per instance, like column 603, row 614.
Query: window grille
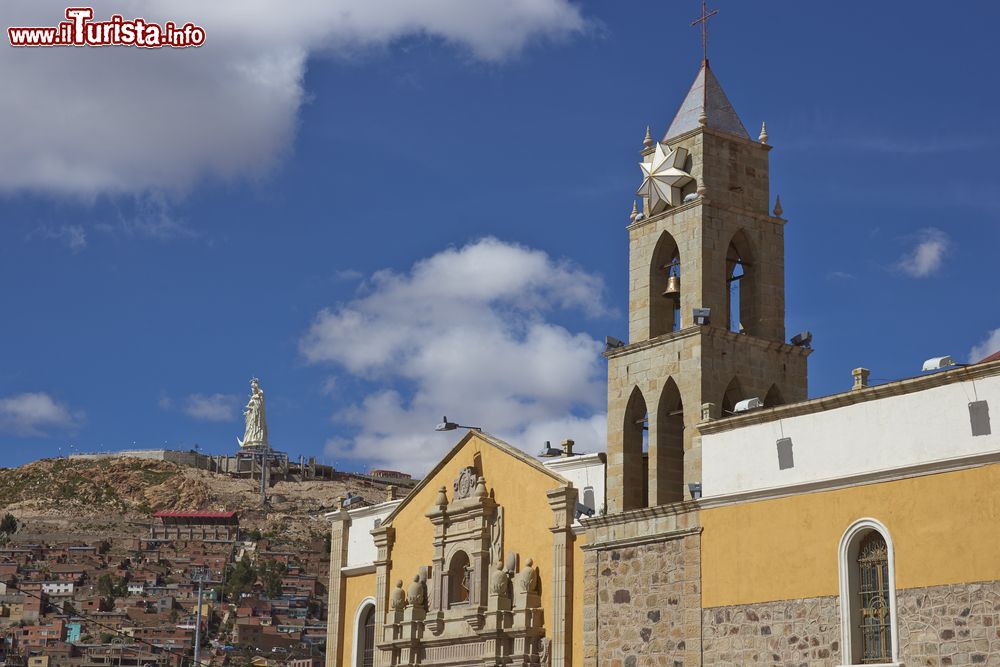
column 368, row 639
column 873, row 589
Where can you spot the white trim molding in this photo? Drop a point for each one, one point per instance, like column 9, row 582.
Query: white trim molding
column 846, row 557
column 356, row 628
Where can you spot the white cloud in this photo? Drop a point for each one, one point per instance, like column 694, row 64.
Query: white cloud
column 150, row 218
column 926, row 256
column 986, row 347
column 73, row 237
column 85, row 121
column 34, row 413
column 464, row 333
column 210, row 407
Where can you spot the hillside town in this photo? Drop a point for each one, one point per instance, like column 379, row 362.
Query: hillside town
column 136, row 601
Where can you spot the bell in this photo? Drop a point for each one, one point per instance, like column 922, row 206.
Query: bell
column 673, row 287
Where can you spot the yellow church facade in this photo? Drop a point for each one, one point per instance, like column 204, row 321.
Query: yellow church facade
column 482, row 559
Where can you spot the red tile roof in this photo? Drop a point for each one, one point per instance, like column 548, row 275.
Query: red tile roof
column 993, row 357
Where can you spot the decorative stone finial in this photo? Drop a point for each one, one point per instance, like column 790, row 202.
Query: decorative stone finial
column 702, row 189
column 703, row 118
column 860, row 378
column 442, row 498
column 777, row 207
column 648, row 141
column 397, row 600
column 567, row 447
column 635, row 211
column 417, row 594
column 480, row 490
column 763, row 133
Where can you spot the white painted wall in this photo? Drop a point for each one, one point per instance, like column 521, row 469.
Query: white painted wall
column 877, row 435
column 360, row 543
column 587, row 473
column 58, row 587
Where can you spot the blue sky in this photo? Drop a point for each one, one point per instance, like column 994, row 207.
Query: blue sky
column 408, row 213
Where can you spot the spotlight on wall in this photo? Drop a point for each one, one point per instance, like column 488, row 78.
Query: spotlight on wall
column 937, row 363
column 582, row 510
column 803, row 339
column 748, row 404
column 695, row 489
column 549, row 452
column 611, row 343
column 702, row 315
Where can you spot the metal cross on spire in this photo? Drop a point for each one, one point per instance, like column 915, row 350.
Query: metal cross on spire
column 703, row 20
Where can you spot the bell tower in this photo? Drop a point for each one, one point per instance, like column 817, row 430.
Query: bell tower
column 706, row 300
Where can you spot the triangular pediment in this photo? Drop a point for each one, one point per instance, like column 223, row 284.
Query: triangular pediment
column 473, row 438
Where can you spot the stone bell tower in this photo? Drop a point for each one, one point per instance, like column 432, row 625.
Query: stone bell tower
column 706, row 300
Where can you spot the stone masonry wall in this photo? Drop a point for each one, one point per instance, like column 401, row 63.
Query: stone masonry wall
column 648, row 604
column 788, row 632
column 950, row 625
column 939, row 626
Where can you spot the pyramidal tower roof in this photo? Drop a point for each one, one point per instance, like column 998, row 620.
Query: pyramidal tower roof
column 706, row 98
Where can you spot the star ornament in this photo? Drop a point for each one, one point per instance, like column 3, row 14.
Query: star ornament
column 663, row 177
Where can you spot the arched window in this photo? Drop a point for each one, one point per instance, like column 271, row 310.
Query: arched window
column 868, row 595
column 741, row 306
column 667, row 465
column 364, row 635
column 664, row 287
column 459, row 578
column 634, row 452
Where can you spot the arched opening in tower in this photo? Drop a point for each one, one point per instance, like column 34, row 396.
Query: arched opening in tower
column 665, row 287
column 741, row 306
column 635, row 443
column 732, row 396
column 773, row 398
column 667, row 459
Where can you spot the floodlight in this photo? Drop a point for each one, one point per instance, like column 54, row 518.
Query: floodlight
column 802, row 339
column 446, row 425
column 937, row 363
column 695, row 489
column 611, row 343
column 549, row 452
column 702, row 315
column 748, row 404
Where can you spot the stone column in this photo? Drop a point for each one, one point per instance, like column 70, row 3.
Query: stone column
column 384, row 537
column 340, row 526
column 562, row 501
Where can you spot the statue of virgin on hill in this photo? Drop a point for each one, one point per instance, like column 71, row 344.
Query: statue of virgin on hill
column 255, row 431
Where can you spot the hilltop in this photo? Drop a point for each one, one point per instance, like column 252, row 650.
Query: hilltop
column 114, row 496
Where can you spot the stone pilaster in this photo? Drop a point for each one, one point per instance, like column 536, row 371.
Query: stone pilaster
column 384, row 537
column 340, row 526
column 563, row 504
column 591, row 608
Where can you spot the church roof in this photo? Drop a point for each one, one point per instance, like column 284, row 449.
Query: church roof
column 706, row 96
